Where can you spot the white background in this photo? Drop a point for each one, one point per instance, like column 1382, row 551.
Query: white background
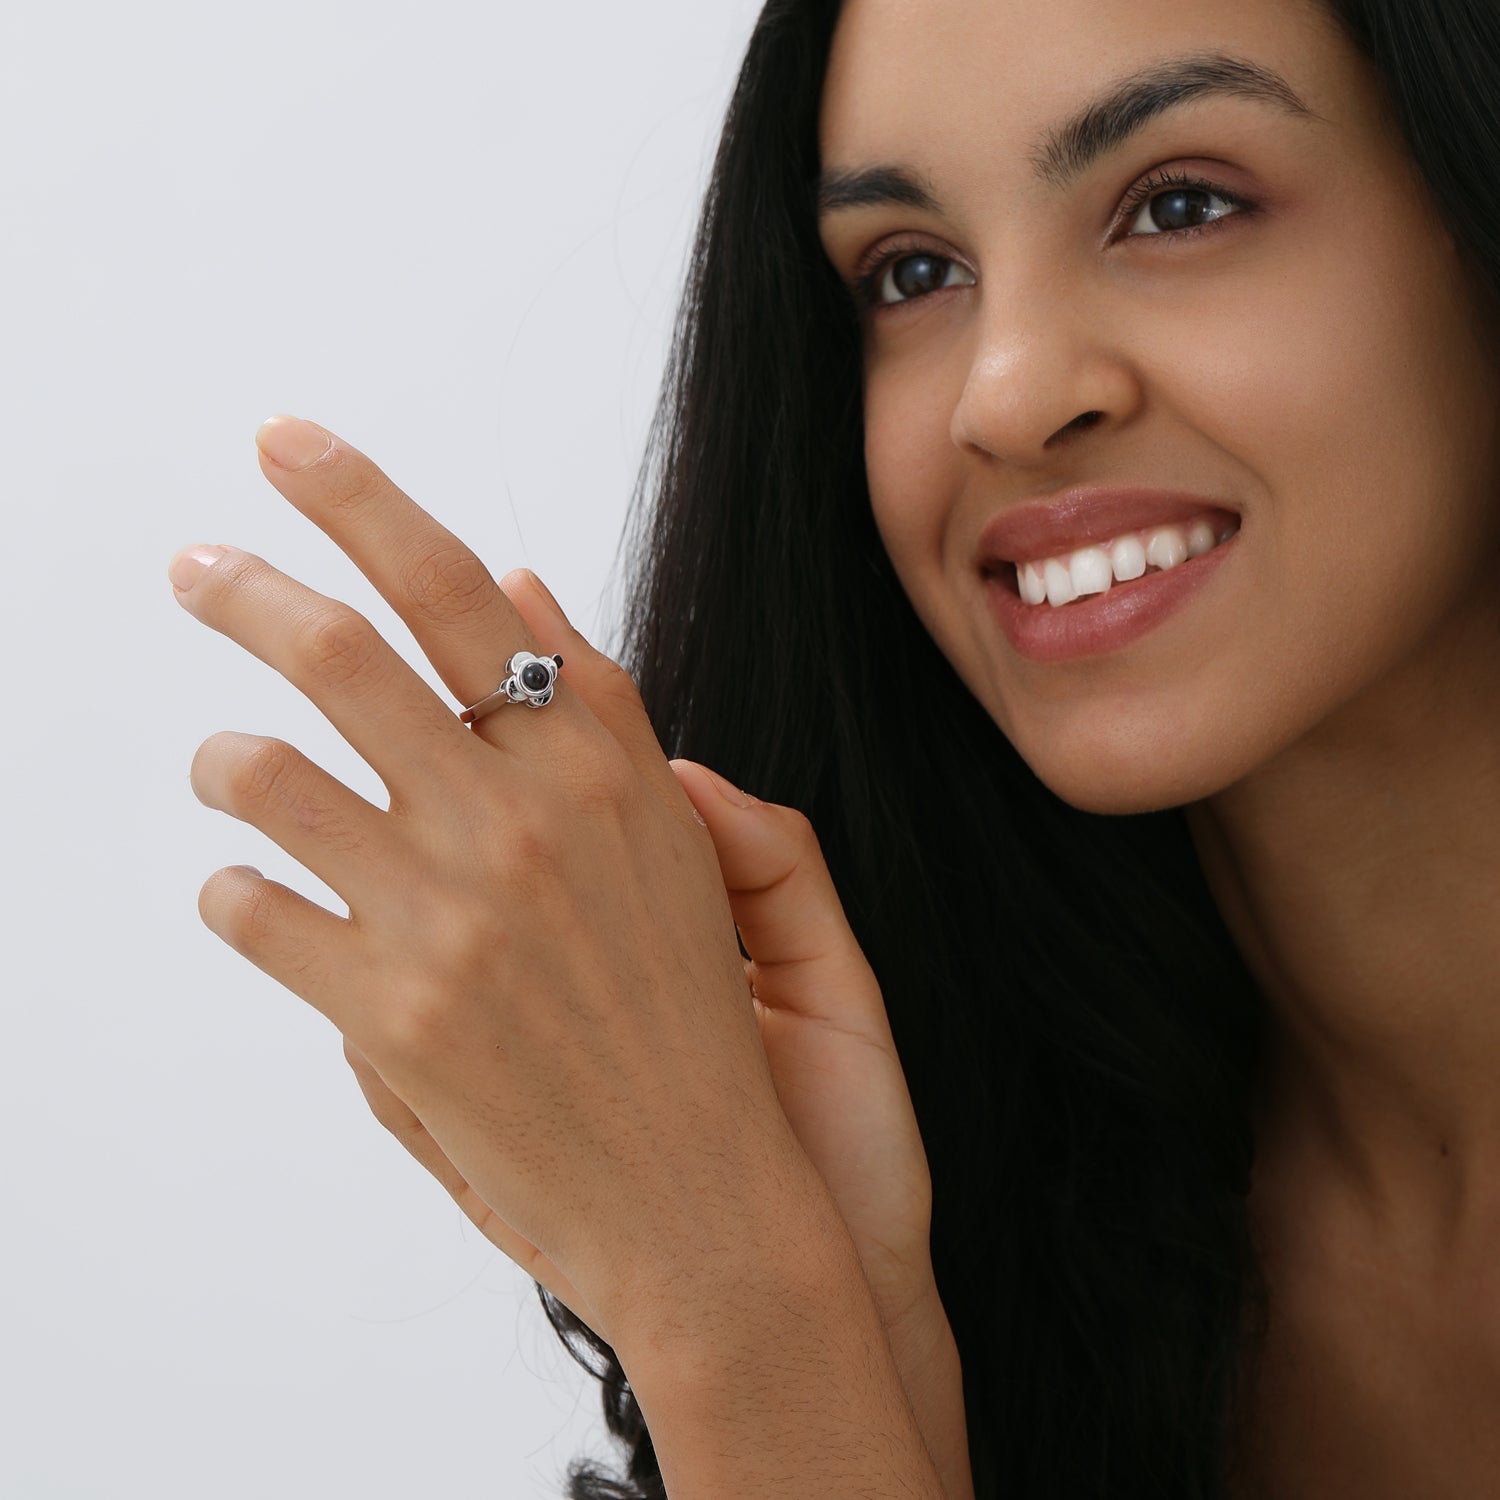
column 454, row 233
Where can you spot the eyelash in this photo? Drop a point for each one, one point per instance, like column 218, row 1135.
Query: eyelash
column 866, row 285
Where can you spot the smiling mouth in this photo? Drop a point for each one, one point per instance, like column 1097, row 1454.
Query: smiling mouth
column 1119, row 562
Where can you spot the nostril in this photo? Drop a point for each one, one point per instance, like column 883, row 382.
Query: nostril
column 1080, row 423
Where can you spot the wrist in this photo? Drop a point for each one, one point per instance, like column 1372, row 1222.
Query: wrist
column 781, row 1381
column 753, row 1315
column 780, row 1242
column 926, row 1354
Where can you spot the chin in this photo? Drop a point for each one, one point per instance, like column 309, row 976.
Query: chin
column 1116, row 776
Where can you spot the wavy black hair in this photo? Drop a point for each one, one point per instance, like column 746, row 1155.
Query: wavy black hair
column 1081, row 1038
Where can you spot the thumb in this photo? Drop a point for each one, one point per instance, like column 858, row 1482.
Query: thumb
column 804, row 955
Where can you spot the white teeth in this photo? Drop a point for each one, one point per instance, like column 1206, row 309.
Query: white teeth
column 1090, row 572
column 1095, row 569
column 1029, row 580
column 1059, row 581
column 1128, row 559
column 1167, row 548
column 1201, row 539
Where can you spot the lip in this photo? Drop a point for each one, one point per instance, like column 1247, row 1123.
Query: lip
column 1102, row 622
column 1084, row 516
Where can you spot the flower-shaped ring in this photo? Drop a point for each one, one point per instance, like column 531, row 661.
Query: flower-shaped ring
column 531, row 681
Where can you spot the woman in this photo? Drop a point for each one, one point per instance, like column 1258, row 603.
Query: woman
column 1076, row 492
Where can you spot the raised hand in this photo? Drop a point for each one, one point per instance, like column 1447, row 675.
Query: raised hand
column 539, row 961
column 827, row 1039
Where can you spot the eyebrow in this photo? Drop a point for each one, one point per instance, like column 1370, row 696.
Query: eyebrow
column 1104, row 124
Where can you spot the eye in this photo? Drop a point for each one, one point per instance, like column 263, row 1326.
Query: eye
column 1167, row 205
column 902, row 275
column 1178, row 204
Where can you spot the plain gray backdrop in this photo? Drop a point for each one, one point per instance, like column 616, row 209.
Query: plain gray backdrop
column 454, row 233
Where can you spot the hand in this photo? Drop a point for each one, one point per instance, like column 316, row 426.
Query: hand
column 827, row 1038
column 539, row 961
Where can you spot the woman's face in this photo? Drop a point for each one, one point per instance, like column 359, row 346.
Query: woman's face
column 1309, row 371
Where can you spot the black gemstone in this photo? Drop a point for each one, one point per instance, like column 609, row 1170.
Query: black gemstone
column 534, row 677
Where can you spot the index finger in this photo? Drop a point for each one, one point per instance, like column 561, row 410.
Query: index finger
column 444, row 594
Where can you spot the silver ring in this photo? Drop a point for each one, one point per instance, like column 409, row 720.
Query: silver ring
column 531, row 681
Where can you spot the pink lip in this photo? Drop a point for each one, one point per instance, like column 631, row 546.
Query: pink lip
column 1102, row 622
column 1084, row 515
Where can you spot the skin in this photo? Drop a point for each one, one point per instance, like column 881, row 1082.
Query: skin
column 1328, row 708
column 711, row 1159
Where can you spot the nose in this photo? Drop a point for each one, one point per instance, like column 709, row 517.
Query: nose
column 1038, row 379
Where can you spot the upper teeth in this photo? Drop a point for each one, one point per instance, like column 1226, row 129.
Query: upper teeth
column 1093, row 569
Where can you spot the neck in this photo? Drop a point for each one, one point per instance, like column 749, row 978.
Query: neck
column 1359, row 872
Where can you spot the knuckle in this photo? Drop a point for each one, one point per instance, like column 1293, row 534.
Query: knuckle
column 448, row 582
column 265, row 776
column 804, row 852
column 798, row 828
column 602, row 783
column 619, row 687
column 242, row 911
column 415, row 1025
column 514, row 848
column 338, row 645
column 352, row 485
column 528, row 852
column 235, row 570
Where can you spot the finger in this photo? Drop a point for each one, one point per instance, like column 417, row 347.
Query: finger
column 791, row 921
column 462, row 620
column 285, row 935
column 315, row 818
column 402, row 1122
column 607, row 688
column 333, row 654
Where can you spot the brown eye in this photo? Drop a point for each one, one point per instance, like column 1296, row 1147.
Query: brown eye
column 1179, row 205
column 914, row 274
column 905, row 277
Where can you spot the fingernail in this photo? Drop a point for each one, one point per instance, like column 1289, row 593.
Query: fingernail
column 184, row 569
column 291, row 443
column 731, row 793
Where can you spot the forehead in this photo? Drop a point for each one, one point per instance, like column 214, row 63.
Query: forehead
column 915, row 80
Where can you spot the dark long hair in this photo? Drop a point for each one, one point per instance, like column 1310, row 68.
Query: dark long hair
column 1079, row 1033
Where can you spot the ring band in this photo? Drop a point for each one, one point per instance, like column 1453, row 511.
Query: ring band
column 531, row 681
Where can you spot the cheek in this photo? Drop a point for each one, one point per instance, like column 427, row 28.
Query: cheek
column 913, row 469
column 1359, row 394
column 1358, row 412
